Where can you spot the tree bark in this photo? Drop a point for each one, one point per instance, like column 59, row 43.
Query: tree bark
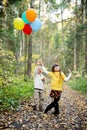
column 29, row 64
column 84, row 16
column 86, row 38
column 75, row 42
column 64, row 62
column 25, row 55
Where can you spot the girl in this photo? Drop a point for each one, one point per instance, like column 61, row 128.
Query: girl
column 58, row 78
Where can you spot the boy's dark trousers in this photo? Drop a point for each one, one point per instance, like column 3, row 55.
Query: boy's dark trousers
column 54, row 104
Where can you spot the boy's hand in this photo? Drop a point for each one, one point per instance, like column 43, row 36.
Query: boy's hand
column 40, row 62
column 43, row 80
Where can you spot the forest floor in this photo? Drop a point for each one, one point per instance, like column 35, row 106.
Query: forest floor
column 73, row 114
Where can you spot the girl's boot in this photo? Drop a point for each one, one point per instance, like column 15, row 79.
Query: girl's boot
column 56, row 107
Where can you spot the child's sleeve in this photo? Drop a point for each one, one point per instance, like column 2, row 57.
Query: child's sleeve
column 44, row 69
column 35, row 71
column 68, row 77
column 47, row 72
column 63, row 76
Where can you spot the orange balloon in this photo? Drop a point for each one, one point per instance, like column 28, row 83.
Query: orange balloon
column 31, row 15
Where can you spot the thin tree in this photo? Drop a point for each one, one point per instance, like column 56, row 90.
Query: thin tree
column 29, row 62
column 84, row 20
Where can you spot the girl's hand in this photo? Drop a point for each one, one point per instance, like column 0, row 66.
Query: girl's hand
column 69, row 71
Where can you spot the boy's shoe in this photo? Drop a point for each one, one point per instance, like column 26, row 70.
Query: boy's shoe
column 34, row 107
column 40, row 108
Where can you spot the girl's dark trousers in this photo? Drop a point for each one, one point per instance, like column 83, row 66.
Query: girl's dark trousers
column 54, row 105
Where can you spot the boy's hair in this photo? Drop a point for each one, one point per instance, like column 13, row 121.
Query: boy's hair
column 54, row 67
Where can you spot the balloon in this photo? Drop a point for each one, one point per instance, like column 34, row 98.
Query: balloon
column 24, row 18
column 18, row 23
column 27, row 29
column 36, row 25
column 31, row 15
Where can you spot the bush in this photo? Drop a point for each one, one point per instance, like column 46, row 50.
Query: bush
column 7, row 66
column 79, row 84
column 12, row 95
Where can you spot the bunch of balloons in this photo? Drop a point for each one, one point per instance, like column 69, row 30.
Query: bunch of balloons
column 28, row 23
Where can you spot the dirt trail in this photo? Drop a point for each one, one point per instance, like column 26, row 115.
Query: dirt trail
column 73, row 114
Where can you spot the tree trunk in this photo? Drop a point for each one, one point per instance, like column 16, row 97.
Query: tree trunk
column 75, row 54
column 84, row 36
column 39, row 7
column 75, row 43
column 25, row 55
column 64, row 62
column 29, row 64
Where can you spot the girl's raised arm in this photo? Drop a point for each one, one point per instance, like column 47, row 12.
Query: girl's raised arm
column 44, row 69
column 69, row 76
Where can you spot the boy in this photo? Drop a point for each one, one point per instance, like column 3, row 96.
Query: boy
column 39, row 80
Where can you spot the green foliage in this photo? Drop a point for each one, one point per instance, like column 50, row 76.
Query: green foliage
column 79, row 84
column 12, row 2
column 51, row 1
column 17, row 91
column 7, row 62
column 56, row 40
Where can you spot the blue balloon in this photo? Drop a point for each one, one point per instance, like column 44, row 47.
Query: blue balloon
column 36, row 25
column 24, row 18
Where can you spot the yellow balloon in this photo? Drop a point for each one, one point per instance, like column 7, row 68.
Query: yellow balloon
column 18, row 23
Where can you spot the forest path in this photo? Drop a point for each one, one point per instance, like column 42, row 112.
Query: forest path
column 73, row 114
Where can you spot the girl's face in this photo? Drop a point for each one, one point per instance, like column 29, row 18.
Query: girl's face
column 56, row 68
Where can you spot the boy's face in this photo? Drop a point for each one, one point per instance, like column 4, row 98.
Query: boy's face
column 39, row 69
